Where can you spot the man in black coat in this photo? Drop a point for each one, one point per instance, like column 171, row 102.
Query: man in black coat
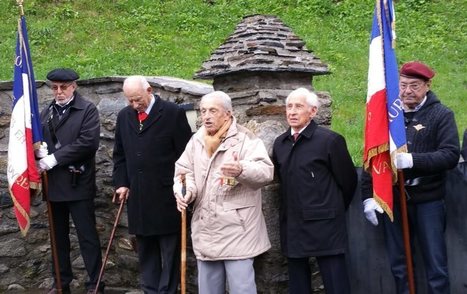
column 150, row 135
column 318, row 180
column 71, row 129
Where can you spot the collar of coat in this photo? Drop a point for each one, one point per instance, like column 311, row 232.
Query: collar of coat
column 78, row 102
column 307, row 132
column 235, row 134
column 154, row 115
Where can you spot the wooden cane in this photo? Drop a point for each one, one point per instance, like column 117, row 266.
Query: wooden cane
column 183, row 244
column 53, row 243
column 112, row 235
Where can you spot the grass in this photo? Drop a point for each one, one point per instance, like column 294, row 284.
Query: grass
column 174, row 37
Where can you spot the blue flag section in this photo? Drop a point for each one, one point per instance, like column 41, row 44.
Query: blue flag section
column 23, row 66
column 394, row 103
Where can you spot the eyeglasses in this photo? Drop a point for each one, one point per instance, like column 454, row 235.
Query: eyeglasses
column 62, row 87
column 413, row 86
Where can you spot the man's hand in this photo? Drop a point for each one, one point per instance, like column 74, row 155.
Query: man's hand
column 47, row 163
column 42, row 151
column 183, row 201
column 123, row 193
column 232, row 168
column 404, row 160
column 369, row 208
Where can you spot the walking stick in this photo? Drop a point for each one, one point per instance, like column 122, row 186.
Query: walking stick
column 53, row 244
column 405, row 231
column 112, row 235
column 183, row 243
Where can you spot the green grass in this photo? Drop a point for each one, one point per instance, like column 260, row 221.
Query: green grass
column 163, row 37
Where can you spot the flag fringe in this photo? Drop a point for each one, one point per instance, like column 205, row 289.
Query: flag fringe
column 23, row 213
column 373, row 152
column 384, row 206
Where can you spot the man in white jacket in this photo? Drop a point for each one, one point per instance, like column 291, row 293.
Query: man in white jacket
column 225, row 167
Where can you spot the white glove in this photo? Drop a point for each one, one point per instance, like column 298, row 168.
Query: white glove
column 42, row 151
column 404, row 160
column 369, row 207
column 47, row 162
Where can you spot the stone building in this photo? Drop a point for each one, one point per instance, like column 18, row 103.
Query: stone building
column 259, row 64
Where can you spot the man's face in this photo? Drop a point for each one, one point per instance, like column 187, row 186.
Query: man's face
column 138, row 97
column 213, row 114
column 299, row 113
column 413, row 90
column 62, row 91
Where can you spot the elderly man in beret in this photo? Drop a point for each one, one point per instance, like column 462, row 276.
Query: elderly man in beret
column 71, row 129
column 433, row 148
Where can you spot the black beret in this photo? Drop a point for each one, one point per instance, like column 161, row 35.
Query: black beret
column 62, row 75
column 417, row 69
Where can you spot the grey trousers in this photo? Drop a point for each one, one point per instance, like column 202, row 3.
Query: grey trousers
column 239, row 275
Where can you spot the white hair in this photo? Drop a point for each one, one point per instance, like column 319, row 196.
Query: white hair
column 310, row 97
column 136, row 79
column 225, row 99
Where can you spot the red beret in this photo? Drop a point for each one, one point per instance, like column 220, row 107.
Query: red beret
column 417, row 70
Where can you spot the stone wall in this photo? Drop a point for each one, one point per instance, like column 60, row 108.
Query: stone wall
column 26, row 262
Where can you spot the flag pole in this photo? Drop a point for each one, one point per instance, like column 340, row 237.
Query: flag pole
column 405, row 232
column 58, row 284
column 53, row 244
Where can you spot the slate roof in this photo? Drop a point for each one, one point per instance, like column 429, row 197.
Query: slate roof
column 261, row 43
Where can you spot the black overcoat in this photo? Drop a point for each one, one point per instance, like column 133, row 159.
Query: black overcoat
column 144, row 161
column 318, row 180
column 78, row 136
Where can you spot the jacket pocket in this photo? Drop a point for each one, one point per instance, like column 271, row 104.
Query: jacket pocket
column 318, row 214
column 238, row 199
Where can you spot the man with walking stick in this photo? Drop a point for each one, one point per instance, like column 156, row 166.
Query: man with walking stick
column 150, row 135
column 433, row 148
column 225, row 167
column 71, row 129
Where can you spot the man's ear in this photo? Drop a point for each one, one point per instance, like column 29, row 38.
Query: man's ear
column 428, row 84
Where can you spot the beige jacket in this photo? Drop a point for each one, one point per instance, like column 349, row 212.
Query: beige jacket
column 227, row 222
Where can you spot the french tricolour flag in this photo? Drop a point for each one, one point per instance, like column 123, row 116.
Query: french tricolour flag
column 25, row 132
column 384, row 124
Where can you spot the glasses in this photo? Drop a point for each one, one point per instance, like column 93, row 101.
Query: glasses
column 62, row 87
column 414, row 86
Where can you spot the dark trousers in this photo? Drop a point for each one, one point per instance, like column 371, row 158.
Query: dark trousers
column 333, row 272
column 82, row 213
column 427, row 222
column 159, row 262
